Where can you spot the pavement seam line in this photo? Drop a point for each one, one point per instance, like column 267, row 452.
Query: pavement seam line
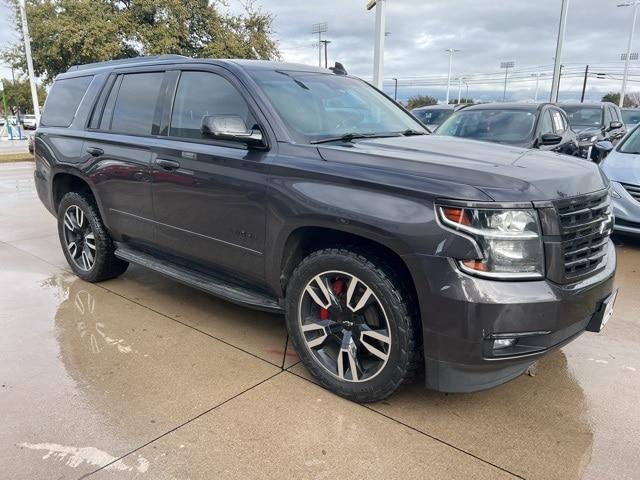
column 433, row 437
column 282, row 369
column 153, row 310
column 168, row 432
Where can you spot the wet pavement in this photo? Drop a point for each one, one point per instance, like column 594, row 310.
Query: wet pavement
column 141, row 377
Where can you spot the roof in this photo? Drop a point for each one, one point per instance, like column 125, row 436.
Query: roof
column 529, row 107
column 585, row 104
column 440, row 106
column 168, row 59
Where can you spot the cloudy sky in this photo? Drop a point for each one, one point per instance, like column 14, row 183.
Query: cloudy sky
column 485, row 31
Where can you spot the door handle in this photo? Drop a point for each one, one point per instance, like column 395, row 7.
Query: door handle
column 168, row 164
column 95, row 151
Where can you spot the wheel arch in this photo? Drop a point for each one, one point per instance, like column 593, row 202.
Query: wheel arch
column 66, row 181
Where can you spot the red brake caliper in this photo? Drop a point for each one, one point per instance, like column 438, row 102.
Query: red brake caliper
column 338, row 288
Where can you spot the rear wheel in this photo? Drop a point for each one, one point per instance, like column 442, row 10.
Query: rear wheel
column 85, row 241
column 349, row 320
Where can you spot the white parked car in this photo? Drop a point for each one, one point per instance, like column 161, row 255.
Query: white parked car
column 29, row 122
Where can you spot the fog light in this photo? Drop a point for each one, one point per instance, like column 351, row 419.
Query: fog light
column 503, row 343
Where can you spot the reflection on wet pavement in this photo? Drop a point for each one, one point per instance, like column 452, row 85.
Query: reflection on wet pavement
column 143, row 377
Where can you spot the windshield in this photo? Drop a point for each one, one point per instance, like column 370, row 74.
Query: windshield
column 317, row 106
column 432, row 117
column 631, row 117
column 508, row 126
column 584, row 116
column 632, row 143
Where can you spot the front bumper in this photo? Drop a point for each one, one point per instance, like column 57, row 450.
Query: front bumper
column 461, row 314
column 626, row 211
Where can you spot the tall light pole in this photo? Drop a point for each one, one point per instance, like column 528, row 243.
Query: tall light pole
column 459, row 89
column 506, row 66
column 635, row 5
column 395, row 90
column 555, row 85
column 319, row 28
column 27, row 51
column 326, row 57
column 451, row 51
column 378, row 44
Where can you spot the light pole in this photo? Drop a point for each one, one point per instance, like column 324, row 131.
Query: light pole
column 325, row 43
column 451, row 51
column 459, row 89
column 378, row 47
column 27, row 51
column 395, row 90
column 537, row 75
column 635, row 5
column 319, row 28
column 506, row 66
column 584, row 83
column 555, row 85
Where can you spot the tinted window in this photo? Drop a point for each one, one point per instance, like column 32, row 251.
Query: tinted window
column 200, row 94
column 632, row 143
column 631, row 117
column 135, row 106
column 584, row 116
column 546, row 126
column 432, row 117
column 508, row 126
column 63, row 101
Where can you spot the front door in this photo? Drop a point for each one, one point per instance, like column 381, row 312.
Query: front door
column 209, row 196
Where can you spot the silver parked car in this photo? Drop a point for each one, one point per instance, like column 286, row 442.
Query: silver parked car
column 622, row 166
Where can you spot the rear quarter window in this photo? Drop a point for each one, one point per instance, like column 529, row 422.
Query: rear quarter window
column 63, row 101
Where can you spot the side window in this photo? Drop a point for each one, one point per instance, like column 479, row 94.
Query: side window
column 135, row 105
column 617, row 114
column 546, row 125
column 107, row 112
column 63, row 101
column 558, row 123
column 608, row 116
column 200, row 94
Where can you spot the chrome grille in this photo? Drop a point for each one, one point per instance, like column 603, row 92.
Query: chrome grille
column 634, row 191
column 585, row 226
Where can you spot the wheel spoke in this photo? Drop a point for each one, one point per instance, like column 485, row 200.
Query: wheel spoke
column 364, row 298
column 73, row 249
column 90, row 241
column 326, row 303
column 379, row 335
column 68, row 222
column 79, row 217
column 322, row 327
column 348, row 352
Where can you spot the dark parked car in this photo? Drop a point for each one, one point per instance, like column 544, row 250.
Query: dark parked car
column 526, row 125
column 630, row 117
column 434, row 115
column 384, row 246
column 594, row 122
column 622, row 166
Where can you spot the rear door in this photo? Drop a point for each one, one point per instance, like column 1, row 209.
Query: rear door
column 119, row 141
column 210, row 196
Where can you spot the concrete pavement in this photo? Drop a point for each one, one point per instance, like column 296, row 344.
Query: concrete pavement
column 141, row 377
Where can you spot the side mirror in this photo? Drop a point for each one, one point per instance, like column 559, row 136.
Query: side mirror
column 550, row 139
column 604, row 146
column 615, row 125
column 231, row 128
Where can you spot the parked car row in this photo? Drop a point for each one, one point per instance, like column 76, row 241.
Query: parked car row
column 28, row 122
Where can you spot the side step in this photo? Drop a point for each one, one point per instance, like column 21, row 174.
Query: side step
column 207, row 283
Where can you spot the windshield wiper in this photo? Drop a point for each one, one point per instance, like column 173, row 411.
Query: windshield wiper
column 409, row 132
column 347, row 137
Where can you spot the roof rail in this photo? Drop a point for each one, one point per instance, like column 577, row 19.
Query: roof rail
column 124, row 61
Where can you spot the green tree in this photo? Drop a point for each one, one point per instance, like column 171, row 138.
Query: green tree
column 421, row 101
column 72, row 32
column 630, row 99
column 19, row 96
column 463, row 101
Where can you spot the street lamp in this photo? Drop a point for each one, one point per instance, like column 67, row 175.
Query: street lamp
column 378, row 48
column 506, row 66
column 635, row 5
column 537, row 75
column 27, row 51
column 451, row 52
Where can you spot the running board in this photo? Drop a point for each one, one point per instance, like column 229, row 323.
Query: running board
column 207, row 283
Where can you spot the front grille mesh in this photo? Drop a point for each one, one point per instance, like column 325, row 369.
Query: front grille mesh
column 634, row 191
column 585, row 226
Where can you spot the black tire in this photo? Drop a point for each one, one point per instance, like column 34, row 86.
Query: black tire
column 105, row 264
column 392, row 298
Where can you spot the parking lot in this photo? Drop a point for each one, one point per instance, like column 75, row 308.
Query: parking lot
column 143, row 377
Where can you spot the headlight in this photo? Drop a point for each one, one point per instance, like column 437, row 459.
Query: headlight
column 591, row 139
column 510, row 241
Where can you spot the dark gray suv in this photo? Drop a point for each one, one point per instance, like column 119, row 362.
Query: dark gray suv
column 308, row 192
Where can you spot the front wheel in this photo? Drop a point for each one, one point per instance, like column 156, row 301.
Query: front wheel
column 350, row 322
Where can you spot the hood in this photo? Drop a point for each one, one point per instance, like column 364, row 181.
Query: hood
column 504, row 173
column 622, row 167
